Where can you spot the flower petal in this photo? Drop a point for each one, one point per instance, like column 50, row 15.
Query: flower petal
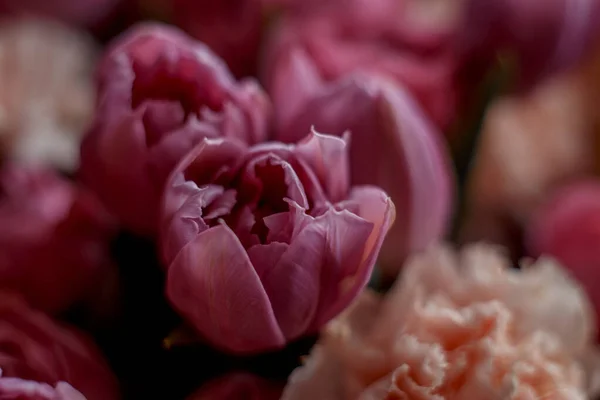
column 215, row 287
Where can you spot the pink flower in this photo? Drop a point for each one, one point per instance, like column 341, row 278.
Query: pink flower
column 266, row 244
column 397, row 39
column 54, row 239
column 47, row 97
column 41, row 360
column 454, row 326
column 566, row 227
column 394, row 146
column 73, row 12
column 160, row 93
column 545, row 36
column 238, row 385
column 211, row 22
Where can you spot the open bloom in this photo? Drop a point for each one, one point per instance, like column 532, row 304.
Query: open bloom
column 159, row 93
column 462, row 327
column 54, row 239
column 41, row 360
column 394, row 146
column 47, row 96
column 397, row 39
column 566, row 227
column 266, row 244
column 238, row 385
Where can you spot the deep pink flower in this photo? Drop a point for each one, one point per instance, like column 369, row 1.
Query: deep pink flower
column 160, row 93
column 231, row 28
column 40, row 360
column 266, row 244
column 543, row 35
column 394, row 146
column 54, row 239
column 77, row 12
column 567, row 227
column 386, row 37
column 238, row 385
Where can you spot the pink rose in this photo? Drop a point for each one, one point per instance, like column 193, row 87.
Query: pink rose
column 41, row 360
column 266, row 244
column 160, row 93
column 396, row 39
column 54, row 239
column 76, row 12
column 238, row 385
column 566, row 227
column 458, row 326
column 394, row 146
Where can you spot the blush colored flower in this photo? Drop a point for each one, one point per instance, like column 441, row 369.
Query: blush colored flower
column 54, row 239
column 160, row 92
column 464, row 326
column 238, row 385
column 394, row 146
column 528, row 147
column 40, row 360
column 402, row 40
column 566, row 226
column 266, row 244
column 47, row 96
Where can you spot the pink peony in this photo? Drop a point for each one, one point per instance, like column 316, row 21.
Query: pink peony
column 266, row 244
column 394, row 146
column 160, row 93
column 566, row 227
column 238, row 385
column 454, row 326
column 47, row 96
column 402, row 40
column 54, row 239
column 41, row 360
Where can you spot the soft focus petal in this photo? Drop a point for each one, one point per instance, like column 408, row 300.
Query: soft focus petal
column 213, row 284
column 77, row 12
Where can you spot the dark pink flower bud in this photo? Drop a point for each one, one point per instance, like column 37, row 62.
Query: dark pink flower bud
column 160, row 93
column 394, row 146
column 266, row 244
column 40, row 360
column 76, row 12
column 567, row 226
column 238, row 385
column 384, row 37
column 543, row 35
column 54, row 239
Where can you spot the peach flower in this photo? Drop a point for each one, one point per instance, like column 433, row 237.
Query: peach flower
column 47, row 95
column 458, row 326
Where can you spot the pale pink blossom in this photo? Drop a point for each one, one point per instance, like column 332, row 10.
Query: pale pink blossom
column 458, row 326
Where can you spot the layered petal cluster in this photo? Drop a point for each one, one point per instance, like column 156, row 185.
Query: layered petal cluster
column 566, row 227
column 238, row 385
column 394, row 146
column 54, row 239
column 41, row 360
column 406, row 41
column 47, row 96
column 266, row 244
column 159, row 93
column 457, row 326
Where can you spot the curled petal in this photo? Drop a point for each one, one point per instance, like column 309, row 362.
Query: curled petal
column 213, row 284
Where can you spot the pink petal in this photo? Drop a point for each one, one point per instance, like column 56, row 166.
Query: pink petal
column 215, row 287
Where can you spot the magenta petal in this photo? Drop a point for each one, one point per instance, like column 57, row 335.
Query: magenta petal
column 328, row 156
column 213, row 284
column 373, row 205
